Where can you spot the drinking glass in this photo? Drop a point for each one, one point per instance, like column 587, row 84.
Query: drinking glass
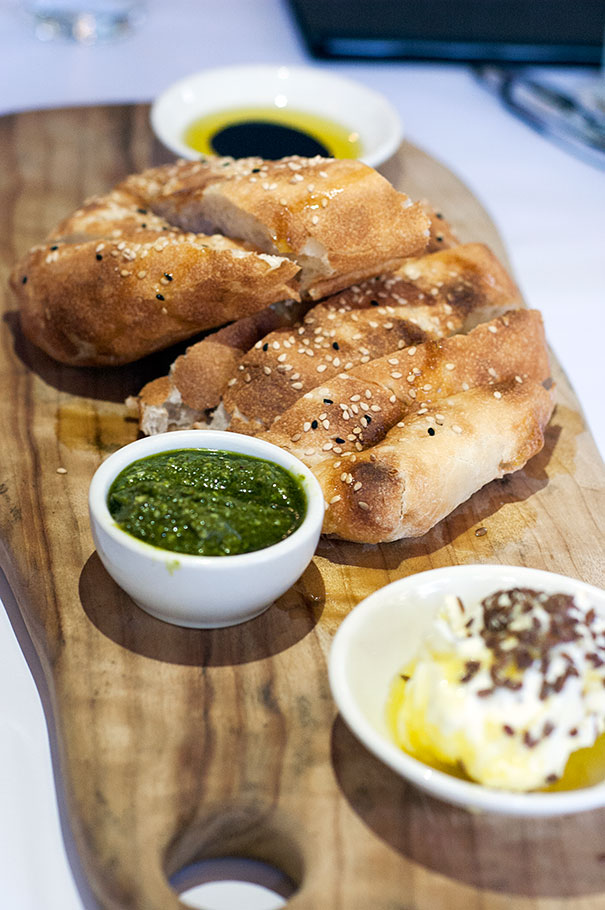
column 84, row 21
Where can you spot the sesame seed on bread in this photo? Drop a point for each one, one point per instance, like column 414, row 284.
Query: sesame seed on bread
column 199, row 377
column 398, row 443
column 355, row 410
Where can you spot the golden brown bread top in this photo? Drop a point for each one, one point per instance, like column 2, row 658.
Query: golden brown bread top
column 422, row 470
column 338, row 218
column 203, row 371
column 180, row 184
column 112, row 301
column 334, row 222
column 199, row 377
column 355, row 410
column 183, row 179
column 112, row 216
column 397, row 443
column 429, row 297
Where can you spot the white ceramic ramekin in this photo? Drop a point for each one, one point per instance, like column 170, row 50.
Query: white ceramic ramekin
column 302, row 88
column 382, row 634
column 202, row 591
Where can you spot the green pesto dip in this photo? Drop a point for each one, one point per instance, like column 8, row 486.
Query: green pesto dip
column 207, row 502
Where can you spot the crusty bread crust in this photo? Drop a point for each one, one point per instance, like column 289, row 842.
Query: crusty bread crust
column 338, row 219
column 398, row 441
column 298, row 225
column 418, row 380
column 355, row 410
column 198, row 378
column 179, row 184
column 413, row 434
column 112, row 215
column 429, row 297
column 111, row 301
column 412, row 479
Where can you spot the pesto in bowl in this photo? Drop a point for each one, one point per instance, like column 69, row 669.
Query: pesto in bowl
column 207, row 502
column 185, row 585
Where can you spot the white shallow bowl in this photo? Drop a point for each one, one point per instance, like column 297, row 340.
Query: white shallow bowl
column 301, row 88
column 202, row 591
column 383, row 632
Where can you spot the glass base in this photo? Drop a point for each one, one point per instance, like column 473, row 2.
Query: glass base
column 86, row 22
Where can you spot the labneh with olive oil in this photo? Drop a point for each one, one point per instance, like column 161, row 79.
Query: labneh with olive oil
column 508, row 691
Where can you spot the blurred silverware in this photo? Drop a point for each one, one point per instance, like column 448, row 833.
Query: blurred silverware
column 552, row 112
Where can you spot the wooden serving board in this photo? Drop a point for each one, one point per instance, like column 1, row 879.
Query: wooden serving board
column 178, row 745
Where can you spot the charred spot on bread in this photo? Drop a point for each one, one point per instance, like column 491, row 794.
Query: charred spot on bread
column 372, row 494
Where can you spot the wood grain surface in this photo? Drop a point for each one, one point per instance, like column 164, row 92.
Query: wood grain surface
column 177, row 745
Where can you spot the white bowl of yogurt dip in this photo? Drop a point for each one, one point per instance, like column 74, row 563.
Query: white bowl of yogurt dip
column 477, row 691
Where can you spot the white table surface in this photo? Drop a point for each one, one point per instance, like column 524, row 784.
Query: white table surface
column 548, row 206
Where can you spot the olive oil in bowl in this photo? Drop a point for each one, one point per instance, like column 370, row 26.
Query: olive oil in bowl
column 272, row 133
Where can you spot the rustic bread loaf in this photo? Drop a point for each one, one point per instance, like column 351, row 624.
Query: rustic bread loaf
column 413, row 478
column 355, row 410
column 143, row 266
column 340, row 220
column 458, row 393
column 359, row 324
column 198, row 378
column 429, row 297
column 111, row 301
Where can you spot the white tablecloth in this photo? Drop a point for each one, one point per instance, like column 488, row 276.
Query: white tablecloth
column 548, row 206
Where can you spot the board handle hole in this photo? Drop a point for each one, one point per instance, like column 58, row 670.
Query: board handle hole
column 236, row 856
column 232, row 882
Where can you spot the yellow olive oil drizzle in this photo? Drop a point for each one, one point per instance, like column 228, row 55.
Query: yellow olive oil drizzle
column 585, row 768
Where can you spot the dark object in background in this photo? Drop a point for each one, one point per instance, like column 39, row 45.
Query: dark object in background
column 513, row 31
column 556, row 114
